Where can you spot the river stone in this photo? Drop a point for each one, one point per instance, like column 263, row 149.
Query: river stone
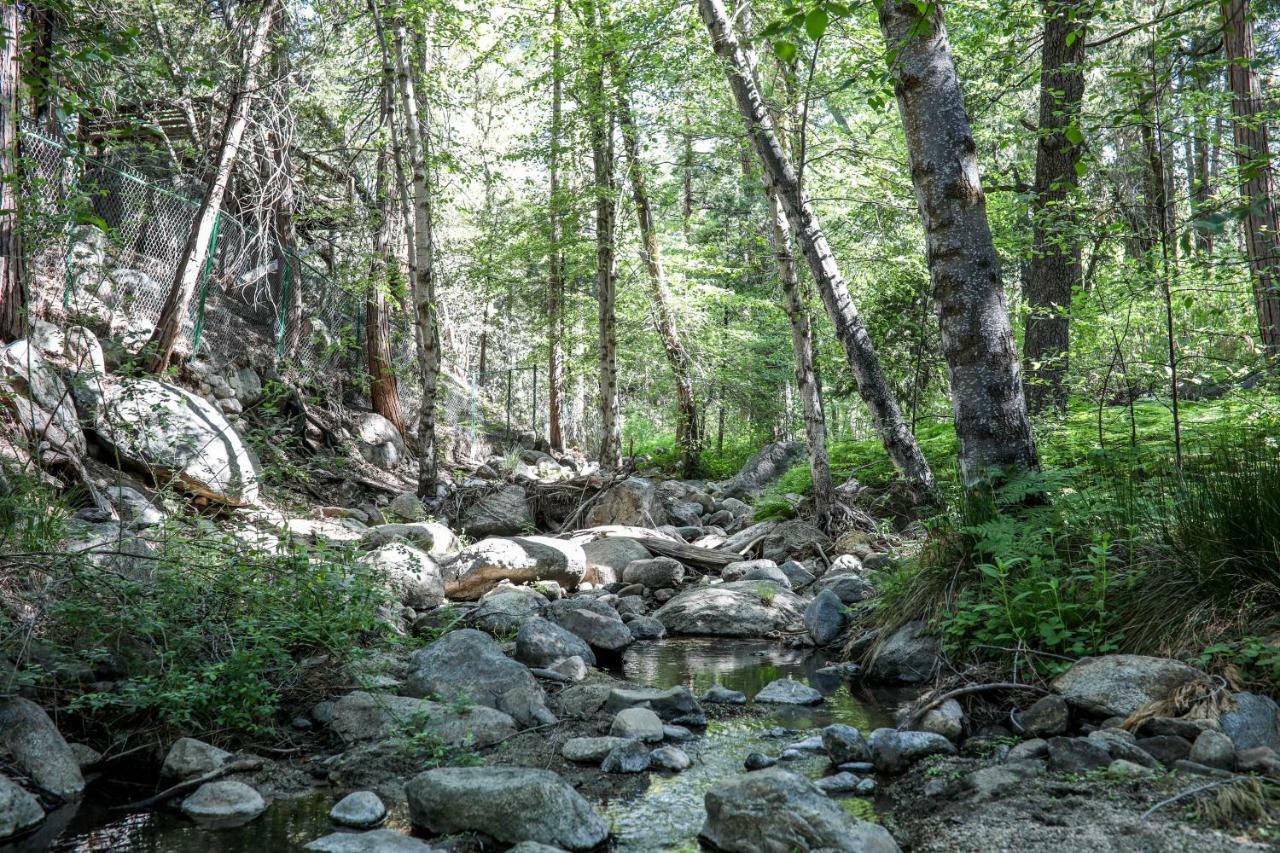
column 1118, row 685
column 775, row 811
column 594, row 621
column 947, row 720
column 736, row 609
column 225, row 803
column 430, row 536
column 609, row 556
column 505, row 608
column 654, row 573
column 840, row 783
column 768, row 573
column 37, row 399
column 758, row 761
column 535, row 847
column 630, row 756
column 376, row 841
column 738, row 571
column 38, row 750
column 19, row 810
column 573, row 668
column 797, row 575
column 1254, row 722
column 510, row 804
column 504, row 512
column 133, row 507
column 845, row 744
column 407, row 507
column 1122, row 744
column 762, row 468
column 785, row 691
column 893, row 751
column 992, row 782
column 1077, row 755
column 909, row 656
column 410, row 574
column 543, row 643
column 189, row 758
column 1213, row 749
column 360, row 809
column 633, row 502
column 178, row 436
column 377, row 439
column 646, row 628
column 796, row 539
column 1129, row 770
column 848, row 587
column 1048, row 716
column 518, row 559
column 589, row 750
column 1167, row 749
column 639, row 723
column 469, row 663
column 719, row 695
column 824, row 617
column 675, row 705
column 669, row 758
column 1027, row 750
column 360, row 717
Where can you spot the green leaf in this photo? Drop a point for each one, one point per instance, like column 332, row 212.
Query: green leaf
column 815, row 23
column 1082, row 169
column 1072, row 37
column 785, row 50
column 1073, row 134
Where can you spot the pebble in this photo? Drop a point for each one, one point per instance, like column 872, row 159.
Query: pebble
column 669, row 758
column 758, row 761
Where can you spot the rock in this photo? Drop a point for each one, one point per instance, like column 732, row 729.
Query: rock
column 510, row 804
column 848, row 587
column 840, row 783
column 521, row 559
column 573, row 668
column 361, row 717
column 947, row 720
column 1121, row 744
column 1027, row 750
column 595, row 622
column 655, row 573
column 504, row 512
column 505, row 608
column 893, row 751
column 824, row 617
column 468, row 663
column 768, row 573
column 189, row 758
column 1183, row 728
column 133, row 507
column 1258, row 759
column 630, row 756
column 534, row 847
column 774, row 811
column 377, row 439
column 1048, row 716
column 1167, row 749
column 40, row 404
column 1254, row 722
column 992, row 782
column 685, row 513
column 674, row 705
column 19, row 811
column 86, row 756
column 407, row 507
column 676, row 733
column 737, row 609
column 1213, row 749
column 225, row 803
column 762, row 468
column 361, row 810
column 1129, row 770
column 1114, row 685
column 609, row 556
column 38, row 750
column 739, row 570
column 719, row 695
column 411, row 575
column 432, row 537
column 377, row 841
column 632, row 502
column 1077, row 755
column 637, row 723
column 543, row 643
column 909, row 656
column 630, row 605
column 796, row 539
column 845, row 744
column 589, row 750
column 646, row 628
column 178, row 436
column 670, row 758
column 758, row 761
column 798, row 576
column 785, row 691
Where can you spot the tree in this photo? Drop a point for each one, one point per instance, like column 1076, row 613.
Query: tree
column 986, row 389
column 195, row 254
column 13, row 309
column 873, row 385
column 1055, row 269
column 1253, row 159
column 555, row 261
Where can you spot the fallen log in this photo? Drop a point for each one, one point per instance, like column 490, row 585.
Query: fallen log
column 241, row 766
column 702, row 558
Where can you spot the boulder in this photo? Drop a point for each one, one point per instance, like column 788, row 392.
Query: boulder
column 432, row 537
column 374, row 841
column 738, row 571
column 670, row 758
column 520, row 559
column 762, row 468
column 178, row 437
column 359, row 809
column 1213, row 749
column 1167, row 749
column 796, row 539
column 609, row 556
column 1077, row 755
column 845, row 744
column 133, row 507
column 189, row 758
column 768, row 573
column 19, row 811
column 504, row 512
column 849, row 587
column 636, row 723
column 947, row 720
column 632, row 502
column 468, row 663
column 510, row 804
column 654, row 573
column 1047, row 717
column 377, row 439
column 774, row 811
column 646, row 628
column 909, row 656
column 361, row 717
column 572, row 668
column 505, row 608
column 409, row 573
column 630, row 756
column 39, row 402
column 719, row 695
column 824, row 617
column 674, row 705
column 543, row 643
column 785, row 691
column 595, row 622
column 407, row 507
column 993, row 782
column 1254, row 722
column 589, row 750
column 1118, row 685
column 737, row 609
column 893, row 751
column 37, row 748
column 224, row 803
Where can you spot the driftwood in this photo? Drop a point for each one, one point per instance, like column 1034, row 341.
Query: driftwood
column 240, row 766
column 702, row 558
column 919, row 713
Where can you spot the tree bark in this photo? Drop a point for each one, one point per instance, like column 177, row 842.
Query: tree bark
column 603, row 173
column 287, row 269
column 1055, row 269
column 1253, row 158
column 873, row 385
column 13, row 308
column 977, row 340
column 664, row 317
column 555, row 273
column 196, row 252
column 426, row 328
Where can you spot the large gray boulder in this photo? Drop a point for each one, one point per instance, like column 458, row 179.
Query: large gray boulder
column 374, row 841
column 360, row 717
column 518, row 559
column 504, row 512
column 849, row 587
column 541, row 643
column 633, row 502
column 655, row 573
column 409, row 573
column 824, row 617
column 19, row 811
column 766, row 465
column 909, row 656
column 1254, row 722
column 1118, row 685
column 189, row 758
column 737, row 609
column 893, row 751
column 505, row 608
column 431, row 536
column 178, row 437
column 608, row 556
column 509, row 804
column 776, row 811
column 594, row 621
column 37, row 748
column 225, row 803
column 37, row 399
column 469, row 664
column 796, row 539
column 377, row 440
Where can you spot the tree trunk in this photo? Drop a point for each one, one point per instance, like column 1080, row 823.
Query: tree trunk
column 196, row 252
column 288, row 271
column 663, row 312
column 602, row 163
column 1201, row 183
column 555, row 274
column 873, row 385
column 1253, row 158
column 1055, row 268
column 426, row 328
column 13, row 308
column 990, row 410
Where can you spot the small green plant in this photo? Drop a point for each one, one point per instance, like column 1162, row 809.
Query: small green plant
column 766, row 593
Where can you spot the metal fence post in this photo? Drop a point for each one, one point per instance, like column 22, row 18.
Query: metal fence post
column 197, row 333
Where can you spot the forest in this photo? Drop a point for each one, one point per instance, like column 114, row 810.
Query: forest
column 639, row 425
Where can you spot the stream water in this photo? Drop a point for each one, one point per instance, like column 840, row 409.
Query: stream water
column 664, row 817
